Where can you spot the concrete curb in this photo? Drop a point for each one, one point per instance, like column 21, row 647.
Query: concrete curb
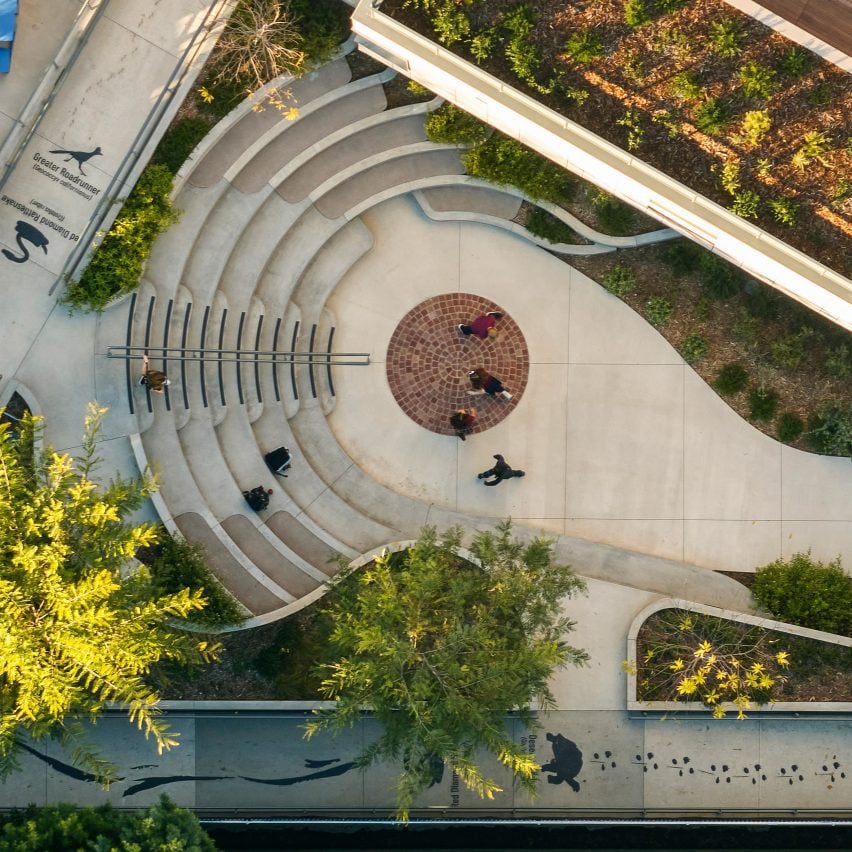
column 796, row 707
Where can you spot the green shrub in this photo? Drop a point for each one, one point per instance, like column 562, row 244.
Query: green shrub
column 819, row 95
column 451, row 24
column 796, row 61
column 830, row 430
column 323, row 24
column 414, row 88
column 789, row 427
column 729, row 177
column 726, row 38
column 719, row 278
column 632, row 120
column 482, row 45
column 668, row 118
column 181, row 565
column 522, row 55
column 746, row 204
column 685, row 87
column 712, row 116
column 762, row 403
column 117, row 263
column 67, row 828
column 449, row 125
column 784, row 210
column 731, row 379
column 840, row 193
column 806, row 592
column 665, row 7
column 682, row 257
column 584, row 46
column 755, row 125
column 747, row 330
column 789, row 350
column 838, row 361
column 693, row 348
column 179, row 141
column 636, row 13
column 814, row 144
column 620, row 280
column 613, row 216
column 504, row 161
column 548, row 227
column 757, row 81
column 658, row 311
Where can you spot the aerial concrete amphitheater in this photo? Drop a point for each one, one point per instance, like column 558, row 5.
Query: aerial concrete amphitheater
column 309, row 298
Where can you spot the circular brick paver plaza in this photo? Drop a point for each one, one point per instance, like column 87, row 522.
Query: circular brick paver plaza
column 429, row 359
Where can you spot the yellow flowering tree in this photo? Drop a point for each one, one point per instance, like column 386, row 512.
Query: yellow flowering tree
column 687, row 656
column 77, row 629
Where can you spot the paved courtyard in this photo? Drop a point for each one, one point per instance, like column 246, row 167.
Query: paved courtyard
column 644, row 476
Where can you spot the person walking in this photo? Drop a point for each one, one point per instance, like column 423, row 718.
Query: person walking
column 483, row 382
column 483, row 326
column 500, row 471
column 463, row 421
column 155, row 380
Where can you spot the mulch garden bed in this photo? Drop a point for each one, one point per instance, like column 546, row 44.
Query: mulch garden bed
column 636, row 72
column 817, row 671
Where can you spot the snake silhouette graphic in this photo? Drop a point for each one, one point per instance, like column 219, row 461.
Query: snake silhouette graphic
column 26, row 231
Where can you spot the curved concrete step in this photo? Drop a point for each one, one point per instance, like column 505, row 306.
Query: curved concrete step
column 394, row 131
column 388, row 170
column 325, row 115
column 248, row 125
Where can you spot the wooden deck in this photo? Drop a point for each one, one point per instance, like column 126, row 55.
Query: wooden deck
column 828, row 20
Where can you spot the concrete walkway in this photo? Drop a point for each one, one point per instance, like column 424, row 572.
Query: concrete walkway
column 253, row 758
column 624, row 447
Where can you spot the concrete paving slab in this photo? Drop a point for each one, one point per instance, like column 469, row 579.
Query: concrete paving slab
column 625, row 441
column 42, row 27
column 603, row 616
column 815, row 487
column 826, row 540
column 731, row 471
column 732, row 545
column 29, row 784
column 628, row 338
column 659, row 537
column 269, row 762
column 595, row 753
column 174, row 30
column 125, row 746
column 699, row 764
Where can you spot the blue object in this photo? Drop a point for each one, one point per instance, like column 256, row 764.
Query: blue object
column 8, row 13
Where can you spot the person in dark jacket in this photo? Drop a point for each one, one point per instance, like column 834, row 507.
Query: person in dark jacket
column 500, row 471
column 155, row 380
column 257, row 498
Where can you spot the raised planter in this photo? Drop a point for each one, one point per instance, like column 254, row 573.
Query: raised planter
column 795, row 708
column 576, row 149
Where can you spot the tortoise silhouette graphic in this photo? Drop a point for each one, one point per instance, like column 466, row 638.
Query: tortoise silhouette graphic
column 566, row 764
column 79, row 157
column 26, row 231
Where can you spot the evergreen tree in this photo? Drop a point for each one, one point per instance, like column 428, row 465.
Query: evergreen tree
column 440, row 647
column 78, row 629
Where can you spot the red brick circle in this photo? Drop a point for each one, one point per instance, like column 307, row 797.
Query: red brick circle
column 429, row 358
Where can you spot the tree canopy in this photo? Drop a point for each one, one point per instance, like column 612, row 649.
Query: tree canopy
column 78, row 629
column 163, row 827
column 440, row 646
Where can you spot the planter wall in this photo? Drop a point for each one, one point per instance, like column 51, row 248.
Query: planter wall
column 598, row 161
column 778, row 707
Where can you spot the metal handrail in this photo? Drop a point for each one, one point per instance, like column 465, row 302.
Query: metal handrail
column 242, row 356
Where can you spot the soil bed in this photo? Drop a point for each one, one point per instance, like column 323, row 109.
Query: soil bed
column 638, row 71
column 817, row 671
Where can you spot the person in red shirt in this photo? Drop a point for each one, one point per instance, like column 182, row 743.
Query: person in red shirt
column 482, row 326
